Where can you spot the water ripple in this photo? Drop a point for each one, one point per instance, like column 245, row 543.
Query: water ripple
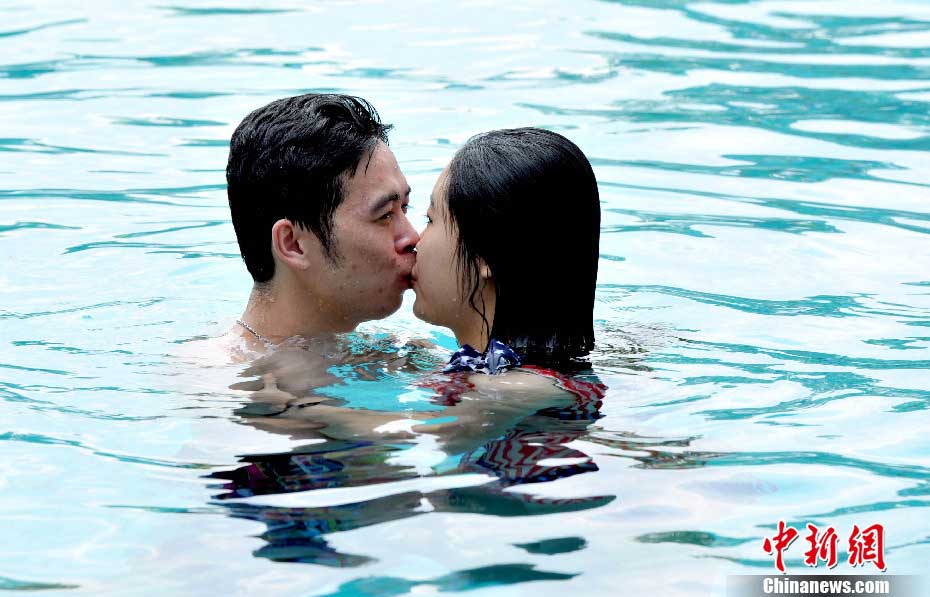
column 166, row 121
column 31, row 145
column 187, row 11
column 35, row 226
column 11, row 584
column 47, row 406
column 186, row 249
column 28, row 315
column 833, row 211
column 780, row 109
column 696, row 459
column 683, row 65
column 140, row 195
column 704, row 539
column 38, row 438
column 16, row 32
column 812, row 357
column 822, row 306
column 495, row 575
column 685, row 223
column 822, row 34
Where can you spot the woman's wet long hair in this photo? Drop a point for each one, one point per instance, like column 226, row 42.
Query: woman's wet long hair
column 526, row 202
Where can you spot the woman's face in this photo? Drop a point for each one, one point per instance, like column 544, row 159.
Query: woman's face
column 436, row 276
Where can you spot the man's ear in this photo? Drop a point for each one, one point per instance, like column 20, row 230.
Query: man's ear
column 291, row 244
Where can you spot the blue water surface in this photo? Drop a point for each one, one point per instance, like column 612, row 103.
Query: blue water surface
column 763, row 298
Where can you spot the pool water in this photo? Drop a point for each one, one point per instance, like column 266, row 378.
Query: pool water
column 763, row 304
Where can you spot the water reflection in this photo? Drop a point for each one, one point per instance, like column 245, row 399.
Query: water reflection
column 460, row 580
column 467, row 429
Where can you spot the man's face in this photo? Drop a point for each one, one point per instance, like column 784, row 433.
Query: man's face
column 373, row 243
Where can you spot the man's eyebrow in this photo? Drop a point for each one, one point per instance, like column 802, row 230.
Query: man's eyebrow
column 385, row 200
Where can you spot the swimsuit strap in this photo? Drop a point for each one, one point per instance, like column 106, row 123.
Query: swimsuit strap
column 496, row 359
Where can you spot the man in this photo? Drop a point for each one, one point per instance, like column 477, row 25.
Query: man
column 319, row 206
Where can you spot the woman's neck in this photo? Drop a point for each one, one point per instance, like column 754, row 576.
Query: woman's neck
column 473, row 329
column 476, row 338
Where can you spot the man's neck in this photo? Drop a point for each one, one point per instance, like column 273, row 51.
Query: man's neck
column 276, row 313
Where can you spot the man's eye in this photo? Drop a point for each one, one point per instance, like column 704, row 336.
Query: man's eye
column 405, row 207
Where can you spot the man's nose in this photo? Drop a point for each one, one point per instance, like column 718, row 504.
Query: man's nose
column 407, row 237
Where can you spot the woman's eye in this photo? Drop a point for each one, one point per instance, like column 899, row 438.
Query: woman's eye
column 429, row 220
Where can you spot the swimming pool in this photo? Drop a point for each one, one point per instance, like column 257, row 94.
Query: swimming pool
column 763, row 296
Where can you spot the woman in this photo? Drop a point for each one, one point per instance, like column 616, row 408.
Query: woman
column 510, row 251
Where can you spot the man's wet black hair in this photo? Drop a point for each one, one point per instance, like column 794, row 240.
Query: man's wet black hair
column 526, row 202
column 291, row 159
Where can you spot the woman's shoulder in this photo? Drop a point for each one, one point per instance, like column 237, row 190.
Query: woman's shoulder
column 516, row 381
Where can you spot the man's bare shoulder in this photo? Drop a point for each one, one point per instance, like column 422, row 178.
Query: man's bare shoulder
column 230, row 348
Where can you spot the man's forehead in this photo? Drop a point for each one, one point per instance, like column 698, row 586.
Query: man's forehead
column 377, row 175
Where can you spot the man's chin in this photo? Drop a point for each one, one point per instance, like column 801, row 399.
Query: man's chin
column 386, row 309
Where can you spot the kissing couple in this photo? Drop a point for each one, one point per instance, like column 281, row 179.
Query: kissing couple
column 507, row 260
